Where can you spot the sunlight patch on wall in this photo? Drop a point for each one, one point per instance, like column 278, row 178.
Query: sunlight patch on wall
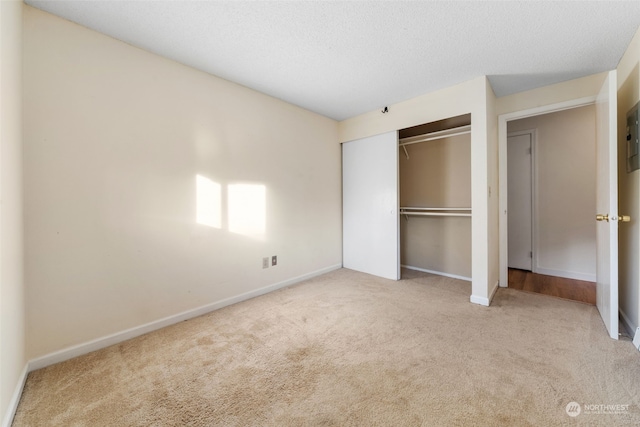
column 247, row 209
column 208, row 202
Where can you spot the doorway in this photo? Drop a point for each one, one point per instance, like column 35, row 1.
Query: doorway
column 520, row 199
column 551, row 191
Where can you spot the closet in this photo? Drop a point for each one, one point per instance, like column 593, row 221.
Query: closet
column 434, row 162
column 406, row 200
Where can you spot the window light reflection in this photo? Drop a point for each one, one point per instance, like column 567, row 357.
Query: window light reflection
column 208, row 202
column 247, row 209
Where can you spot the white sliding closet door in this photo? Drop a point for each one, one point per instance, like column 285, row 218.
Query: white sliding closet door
column 370, row 205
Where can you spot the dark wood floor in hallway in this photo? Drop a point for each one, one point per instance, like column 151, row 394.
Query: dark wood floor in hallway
column 571, row 289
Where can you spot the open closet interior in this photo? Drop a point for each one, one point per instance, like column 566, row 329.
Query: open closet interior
column 435, row 197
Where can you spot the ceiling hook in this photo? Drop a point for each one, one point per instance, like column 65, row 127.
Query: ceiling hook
column 385, row 110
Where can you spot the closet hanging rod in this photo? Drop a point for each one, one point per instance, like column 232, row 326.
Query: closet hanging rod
column 435, row 214
column 434, row 209
column 432, row 136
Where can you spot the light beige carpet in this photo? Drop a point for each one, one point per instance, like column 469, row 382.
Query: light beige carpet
column 348, row 349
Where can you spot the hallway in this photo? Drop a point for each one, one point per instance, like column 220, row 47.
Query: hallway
column 560, row 287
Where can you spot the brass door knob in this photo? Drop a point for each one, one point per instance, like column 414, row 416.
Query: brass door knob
column 624, row 218
column 601, row 217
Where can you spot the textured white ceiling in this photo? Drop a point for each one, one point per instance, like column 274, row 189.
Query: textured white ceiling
column 344, row 58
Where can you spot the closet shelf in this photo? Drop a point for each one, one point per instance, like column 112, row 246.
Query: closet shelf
column 407, row 208
column 450, row 212
column 432, row 136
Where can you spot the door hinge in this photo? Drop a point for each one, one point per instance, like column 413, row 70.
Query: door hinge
column 530, row 254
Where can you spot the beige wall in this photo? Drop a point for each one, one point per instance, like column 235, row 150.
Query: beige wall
column 629, row 190
column 437, row 244
column 475, row 97
column 114, row 138
column 463, row 98
column 565, row 162
column 12, row 333
column 436, row 174
column 584, row 87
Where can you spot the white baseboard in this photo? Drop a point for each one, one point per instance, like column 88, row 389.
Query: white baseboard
column 566, row 274
column 493, row 292
column 118, row 337
column 480, row 300
column 474, row 298
column 15, row 398
column 636, row 339
column 486, row 301
column 439, row 273
column 627, row 324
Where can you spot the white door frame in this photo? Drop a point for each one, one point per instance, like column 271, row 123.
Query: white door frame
column 502, row 166
column 534, row 194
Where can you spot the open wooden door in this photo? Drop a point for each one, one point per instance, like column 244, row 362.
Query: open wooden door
column 607, row 204
column 370, row 221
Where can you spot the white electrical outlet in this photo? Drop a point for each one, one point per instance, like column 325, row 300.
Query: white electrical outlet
column 265, row 262
column 636, row 338
column 274, row 260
